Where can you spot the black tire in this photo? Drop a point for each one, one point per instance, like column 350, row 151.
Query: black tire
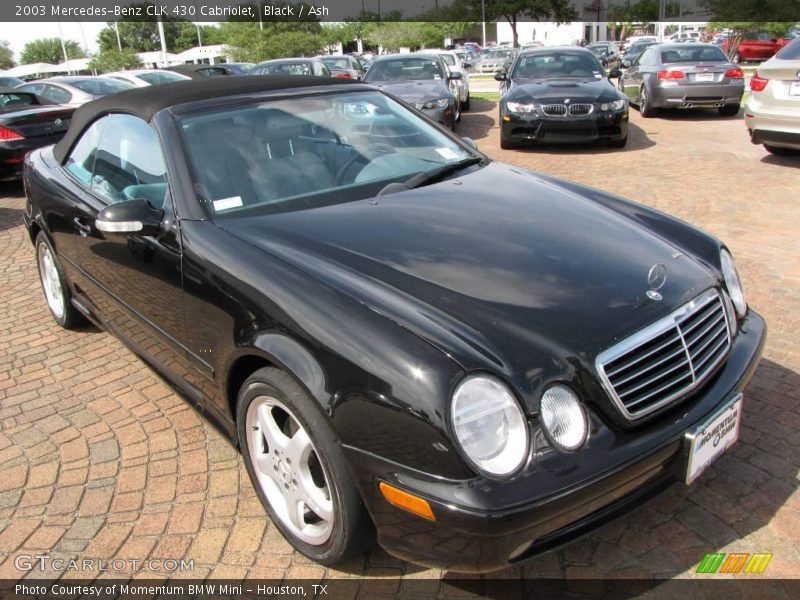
column 645, row 109
column 457, row 118
column 618, row 143
column 781, row 151
column 465, row 104
column 729, row 110
column 507, row 144
column 70, row 317
column 351, row 531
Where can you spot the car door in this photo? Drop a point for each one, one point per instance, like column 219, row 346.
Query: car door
column 631, row 80
column 134, row 281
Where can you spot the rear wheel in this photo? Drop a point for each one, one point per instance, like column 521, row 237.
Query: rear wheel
column 54, row 285
column 457, row 118
column 729, row 110
column 298, row 469
column 781, row 151
column 645, row 109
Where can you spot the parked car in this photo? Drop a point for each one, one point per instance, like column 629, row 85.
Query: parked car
column 344, row 67
column 75, row 90
column 145, row 77
column 560, row 95
column 216, row 70
column 10, row 82
column 630, row 41
column 756, row 46
column 683, row 76
column 292, row 66
column 685, row 36
column 494, row 61
column 422, row 80
column 607, row 53
column 27, row 122
column 501, row 364
column 468, row 58
column 460, row 85
column 634, row 52
column 772, row 113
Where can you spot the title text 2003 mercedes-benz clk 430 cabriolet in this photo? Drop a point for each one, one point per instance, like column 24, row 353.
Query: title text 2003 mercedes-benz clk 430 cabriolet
column 475, row 361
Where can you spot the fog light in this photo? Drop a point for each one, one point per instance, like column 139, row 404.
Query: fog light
column 563, row 418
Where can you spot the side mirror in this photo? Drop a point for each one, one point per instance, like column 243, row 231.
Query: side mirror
column 456, row 75
column 467, row 65
column 500, row 76
column 625, row 63
column 470, row 142
column 614, row 73
column 130, row 216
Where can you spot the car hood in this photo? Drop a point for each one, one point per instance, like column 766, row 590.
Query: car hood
column 499, row 268
column 588, row 89
column 414, row 91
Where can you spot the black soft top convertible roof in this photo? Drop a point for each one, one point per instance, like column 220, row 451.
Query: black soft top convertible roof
column 147, row 101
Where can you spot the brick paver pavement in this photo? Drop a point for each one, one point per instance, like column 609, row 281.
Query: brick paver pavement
column 100, row 459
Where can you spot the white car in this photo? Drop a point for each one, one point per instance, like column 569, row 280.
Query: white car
column 772, row 113
column 637, row 38
column 145, row 77
column 461, row 86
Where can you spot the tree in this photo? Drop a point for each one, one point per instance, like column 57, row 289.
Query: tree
column 48, row 50
column 6, row 55
column 743, row 17
column 559, row 11
column 115, row 60
column 248, row 42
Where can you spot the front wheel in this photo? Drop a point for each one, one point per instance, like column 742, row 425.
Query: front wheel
column 298, row 469
column 54, row 285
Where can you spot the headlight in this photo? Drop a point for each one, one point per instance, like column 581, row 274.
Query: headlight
column 563, row 417
column 489, row 425
column 733, row 283
column 440, row 103
column 616, row 105
column 522, row 109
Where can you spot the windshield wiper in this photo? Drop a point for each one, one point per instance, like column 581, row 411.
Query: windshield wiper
column 428, row 177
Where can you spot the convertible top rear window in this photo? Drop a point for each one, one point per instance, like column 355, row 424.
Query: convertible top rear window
column 704, row 53
column 301, row 153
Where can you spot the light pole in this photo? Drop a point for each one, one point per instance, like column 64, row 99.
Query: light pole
column 116, row 30
column 483, row 21
column 163, row 43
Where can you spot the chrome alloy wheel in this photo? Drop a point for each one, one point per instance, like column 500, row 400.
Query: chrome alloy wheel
column 289, row 470
column 51, row 282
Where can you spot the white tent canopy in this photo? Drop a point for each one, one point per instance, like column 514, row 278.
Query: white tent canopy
column 73, row 64
column 34, row 69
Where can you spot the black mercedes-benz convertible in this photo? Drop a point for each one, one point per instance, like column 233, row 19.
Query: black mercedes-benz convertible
column 405, row 338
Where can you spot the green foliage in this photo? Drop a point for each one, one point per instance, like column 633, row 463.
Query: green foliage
column 747, row 14
column 115, row 60
column 142, row 36
column 48, row 50
column 6, row 55
column 249, row 43
column 559, row 11
column 415, row 35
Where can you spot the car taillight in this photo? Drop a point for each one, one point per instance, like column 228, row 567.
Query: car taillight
column 343, row 76
column 9, row 135
column 758, row 83
column 671, row 75
column 734, row 73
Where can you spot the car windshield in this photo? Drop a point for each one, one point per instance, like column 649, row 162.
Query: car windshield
column 405, row 69
column 599, row 50
column 687, row 54
column 284, row 68
column 337, row 62
column 639, row 47
column 300, row 153
column 790, row 52
column 12, row 100
column 161, row 77
column 98, row 86
column 449, row 59
column 557, row 65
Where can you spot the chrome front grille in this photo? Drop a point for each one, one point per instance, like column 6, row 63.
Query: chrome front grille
column 562, row 110
column 554, row 110
column 580, row 110
column 668, row 359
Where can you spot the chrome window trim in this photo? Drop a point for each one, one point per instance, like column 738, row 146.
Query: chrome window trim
column 663, row 325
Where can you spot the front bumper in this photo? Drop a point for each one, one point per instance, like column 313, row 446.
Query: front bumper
column 475, row 531
column 609, row 126
column 696, row 96
column 445, row 116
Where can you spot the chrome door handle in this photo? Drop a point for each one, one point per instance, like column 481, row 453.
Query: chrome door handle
column 83, row 228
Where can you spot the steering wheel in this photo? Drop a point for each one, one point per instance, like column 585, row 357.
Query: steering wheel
column 375, row 150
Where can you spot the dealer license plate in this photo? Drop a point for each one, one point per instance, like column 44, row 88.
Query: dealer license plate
column 704, row 77
column 714, row 437
column 794, row 89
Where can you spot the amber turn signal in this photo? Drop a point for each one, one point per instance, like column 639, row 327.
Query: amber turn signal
column 409, row 502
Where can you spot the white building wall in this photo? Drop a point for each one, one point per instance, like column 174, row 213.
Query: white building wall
column 552, row 34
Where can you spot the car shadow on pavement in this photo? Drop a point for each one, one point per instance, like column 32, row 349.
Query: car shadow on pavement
column 10, row 218
column 476, row 124
column 745, row 503
column 12, row 189
column 783, row 161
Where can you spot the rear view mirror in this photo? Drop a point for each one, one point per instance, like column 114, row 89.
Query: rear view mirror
column 614, row 73
column 456, row 75
column 132, row 216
